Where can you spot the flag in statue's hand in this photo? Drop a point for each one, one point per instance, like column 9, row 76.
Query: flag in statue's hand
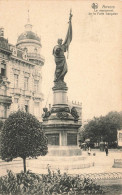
column 68, row 38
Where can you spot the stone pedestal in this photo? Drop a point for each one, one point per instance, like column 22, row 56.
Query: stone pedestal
column 61, row 124
column 60, row 97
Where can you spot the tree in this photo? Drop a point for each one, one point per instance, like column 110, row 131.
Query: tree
column 103, row 128
column 22, row 136
column 113, row 123
column 1, row 124
column 91, row 131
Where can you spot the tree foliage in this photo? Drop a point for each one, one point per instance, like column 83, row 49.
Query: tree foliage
column 22, row 136
column 103, row 128
column 1, row 124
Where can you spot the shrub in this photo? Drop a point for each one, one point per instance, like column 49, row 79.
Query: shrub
column 55, row 182
column 48, row 184
column 20, row 184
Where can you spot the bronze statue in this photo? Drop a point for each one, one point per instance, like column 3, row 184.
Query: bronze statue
column 60, row 60
column 74, row 113
column 58, row 52
column 46, row 113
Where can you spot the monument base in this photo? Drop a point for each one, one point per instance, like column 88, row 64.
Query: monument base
column 64, row 162
column 64, row 151
column 61, row 124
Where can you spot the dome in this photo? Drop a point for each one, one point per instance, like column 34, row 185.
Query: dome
column 28, row 35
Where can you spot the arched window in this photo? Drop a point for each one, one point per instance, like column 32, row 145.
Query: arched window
column 25, row 48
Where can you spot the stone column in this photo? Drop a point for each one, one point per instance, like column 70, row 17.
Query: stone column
column 60, row 94
column 60, row 97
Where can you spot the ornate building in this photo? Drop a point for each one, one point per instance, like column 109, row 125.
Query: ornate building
column 20, row 74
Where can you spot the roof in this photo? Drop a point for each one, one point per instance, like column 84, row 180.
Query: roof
column 28, row 35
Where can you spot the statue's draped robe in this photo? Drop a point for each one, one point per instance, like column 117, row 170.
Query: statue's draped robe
column 60, row 60
column 61, row 64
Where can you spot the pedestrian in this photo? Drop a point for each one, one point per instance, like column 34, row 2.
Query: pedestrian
column 89, row 151
column 106, row 150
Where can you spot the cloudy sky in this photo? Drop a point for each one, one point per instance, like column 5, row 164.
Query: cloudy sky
column 94, row 65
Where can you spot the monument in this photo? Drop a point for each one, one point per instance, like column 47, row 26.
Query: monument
column 61, row 124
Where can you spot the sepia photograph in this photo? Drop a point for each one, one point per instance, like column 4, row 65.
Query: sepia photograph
column 60, row 97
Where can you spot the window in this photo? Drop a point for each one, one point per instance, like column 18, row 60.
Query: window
column 25, row 48
column 3, row 72
column 16, row 100
column 2, row 90
column 2, row 111
column 26, row 106
column 16, row 77
column 3, row 68
column 35, row 50
column 26, row 83
column 36, row 85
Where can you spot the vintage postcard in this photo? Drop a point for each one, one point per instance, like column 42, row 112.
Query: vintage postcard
column 60, row 97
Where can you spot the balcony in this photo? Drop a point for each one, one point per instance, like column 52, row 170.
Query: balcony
column 37, row 95
column 28, row 93
column 5, row 99
column 3, row 118
column 16, row 91
column 36, row 56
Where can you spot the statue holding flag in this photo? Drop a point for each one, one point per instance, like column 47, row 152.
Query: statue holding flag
column 58, row 52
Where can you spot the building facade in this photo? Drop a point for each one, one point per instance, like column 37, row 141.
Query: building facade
column 21, row 74
column 119, row 138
